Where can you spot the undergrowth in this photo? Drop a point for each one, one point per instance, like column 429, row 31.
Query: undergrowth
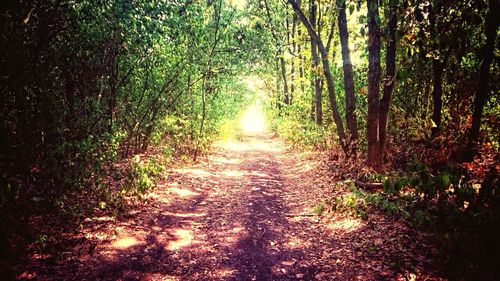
column 463, row 215
column 302, row 134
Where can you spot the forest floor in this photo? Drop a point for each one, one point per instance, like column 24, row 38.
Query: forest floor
column 243, row 213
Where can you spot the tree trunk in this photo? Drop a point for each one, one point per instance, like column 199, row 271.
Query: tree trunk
column 350, row 99
column 372, row 125
column 328, row 76
column 315, row 62
column 285, row 84
column 389, row 80
column 437, row 92
column 278, row 85
column 293, row 52
column 491, row 25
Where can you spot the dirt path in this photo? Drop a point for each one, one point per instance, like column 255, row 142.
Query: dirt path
column 242, row 214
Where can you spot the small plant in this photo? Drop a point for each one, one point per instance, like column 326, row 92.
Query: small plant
column 142, row 175
column 41, row 242
column 319, row 209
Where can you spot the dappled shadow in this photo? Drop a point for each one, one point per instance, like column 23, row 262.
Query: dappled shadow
column 220, row 219
column 241, row 215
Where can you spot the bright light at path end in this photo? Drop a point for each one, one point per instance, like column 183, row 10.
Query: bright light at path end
column 253, row 120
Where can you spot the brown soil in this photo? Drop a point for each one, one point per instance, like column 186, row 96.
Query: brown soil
column 244, row 213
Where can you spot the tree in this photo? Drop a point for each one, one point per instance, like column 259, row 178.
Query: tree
column 492, row 23
column 378, row 110
column 350, row 98
column 280, row 53
column 328, row 76
column 316, row 81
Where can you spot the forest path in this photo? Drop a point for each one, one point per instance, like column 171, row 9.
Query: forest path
column 243, row 213
column 230, row 217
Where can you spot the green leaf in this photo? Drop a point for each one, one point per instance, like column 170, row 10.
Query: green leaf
column 362, row 31
column 362, row 19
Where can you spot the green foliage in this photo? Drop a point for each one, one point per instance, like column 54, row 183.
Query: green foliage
column 142, row 175
column 359, row 203
column 300, row 132
column 319, row 209
column 116, row 78
column 303, row 134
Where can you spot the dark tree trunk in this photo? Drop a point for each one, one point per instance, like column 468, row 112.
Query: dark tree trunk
column 437, row 73
column 318, row 98
column 328, row 76
column 285, row 84
column 372, row 124
column 437, row 92
column 278, row 85
column 491, row 26
column 350, row 99
column 70, row 99
column 294, row 53
column 301, row 62
column 389, row 80
column 112, row 100
column 315, row 62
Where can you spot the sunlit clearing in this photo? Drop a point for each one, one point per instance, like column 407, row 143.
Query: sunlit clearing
column 183, row 192
column 253, row 120
column 125, row 242
column 183, row 237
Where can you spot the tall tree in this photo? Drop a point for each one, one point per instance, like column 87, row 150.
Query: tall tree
column 328, row 75
column 279, row 54
column 438, row 65
column 492, row 23
column 350, row 98
column 390, row 75
column 316, row 81
column 378, row 110
column 372, row 124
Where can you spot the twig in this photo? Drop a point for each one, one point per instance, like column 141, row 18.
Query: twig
column 369, row 185
column 300, row 215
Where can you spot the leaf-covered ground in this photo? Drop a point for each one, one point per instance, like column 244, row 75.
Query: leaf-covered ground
column 243, row 213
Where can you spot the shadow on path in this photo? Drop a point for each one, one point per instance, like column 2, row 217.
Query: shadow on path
column 223, row 219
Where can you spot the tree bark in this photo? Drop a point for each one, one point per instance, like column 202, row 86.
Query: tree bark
column 350, row 98
column 285, row 84
column 491, row 26
column 389, row 80
column 372, row 125
column 294, row 50
column 437, row 92
column 328, row 76
column 317, row 97
column 437, row 76
column 278, row 84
